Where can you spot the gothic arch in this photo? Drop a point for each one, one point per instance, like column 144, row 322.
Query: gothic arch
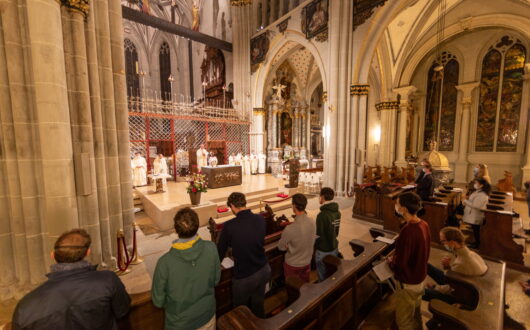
column 260, row 77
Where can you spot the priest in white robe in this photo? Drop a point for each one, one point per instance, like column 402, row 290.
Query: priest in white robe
column 246, row 165
column 232, row 159
column 213, row 161
column 239, row 160
column 202, row 157
column 253, row 164
column 160, row 165
column 262, row 163
column 139, row 169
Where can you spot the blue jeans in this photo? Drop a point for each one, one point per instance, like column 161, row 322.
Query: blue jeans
column 321, row 267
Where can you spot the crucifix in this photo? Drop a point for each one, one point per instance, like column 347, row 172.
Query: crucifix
column 279, row 90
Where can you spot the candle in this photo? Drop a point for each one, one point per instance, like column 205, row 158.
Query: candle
column 136, row 67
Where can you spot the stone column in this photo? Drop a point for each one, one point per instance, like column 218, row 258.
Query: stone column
column 389, row 110
column 242, row 31
column 461, row 165
column 525, row 105
column 404, row 106
column 257, row 134
column 359, row 97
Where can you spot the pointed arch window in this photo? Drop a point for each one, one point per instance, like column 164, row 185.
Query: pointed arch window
column 131, row 68
column 440, row 110
column 501, row 89
column 164, row 57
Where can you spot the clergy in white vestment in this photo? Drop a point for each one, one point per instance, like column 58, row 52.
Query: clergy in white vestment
column 253, row 163
column 139, row 169
column 202, row 157
column 232, row 159
column 262, row 163
column 238, row 160
column 160, row 165
column 212, row 160
column 246, row 165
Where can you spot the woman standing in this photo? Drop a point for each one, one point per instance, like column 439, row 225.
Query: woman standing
column 473, row 205
column 479, row 172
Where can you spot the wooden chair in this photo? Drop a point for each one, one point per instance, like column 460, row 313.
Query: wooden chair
column 506, row 184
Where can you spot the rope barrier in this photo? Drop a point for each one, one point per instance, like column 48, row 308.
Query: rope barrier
column 124, row 260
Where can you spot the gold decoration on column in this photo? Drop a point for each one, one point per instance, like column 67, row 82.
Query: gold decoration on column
column 240, row 3
column 391, row 105
column 359, row 89
column 324, row 97
column 80, row 6
column 259, row 111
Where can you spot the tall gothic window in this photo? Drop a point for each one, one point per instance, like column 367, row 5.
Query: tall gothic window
column 440, row 110
column 164, row 57
column 501, row 88
column 131, row 68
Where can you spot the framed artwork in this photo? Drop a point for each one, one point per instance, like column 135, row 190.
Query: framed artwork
column 259, row 46
column 316, row 18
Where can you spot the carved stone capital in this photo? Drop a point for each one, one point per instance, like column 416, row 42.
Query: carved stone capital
column 80, row 6
column 359, row 89
column 240, row 3
column 405, row 92
column 390, row 105
column 467, row 89
column 259, row 112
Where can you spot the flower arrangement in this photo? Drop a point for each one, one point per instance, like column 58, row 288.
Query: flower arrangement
column 197, row 183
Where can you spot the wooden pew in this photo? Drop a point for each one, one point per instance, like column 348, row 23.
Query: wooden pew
column 496, row 238
column 143, row 314
column 341, row 301
column 484, row 295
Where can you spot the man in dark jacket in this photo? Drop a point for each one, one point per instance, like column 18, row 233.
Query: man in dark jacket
column 328, row 222
column 76, row 296
column 425, row 185
column 245, row 234
column 185, row 277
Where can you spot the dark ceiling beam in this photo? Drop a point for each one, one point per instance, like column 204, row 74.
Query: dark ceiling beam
column 179, row 30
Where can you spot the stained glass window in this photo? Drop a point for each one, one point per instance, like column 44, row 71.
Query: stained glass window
column 440, row 110
column 499, row 108
column 131, row 68
column 165, row 71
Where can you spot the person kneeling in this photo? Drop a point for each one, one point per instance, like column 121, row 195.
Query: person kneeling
column 185, row 277
column 465, row 262
column 75, row 296
column 298, row 240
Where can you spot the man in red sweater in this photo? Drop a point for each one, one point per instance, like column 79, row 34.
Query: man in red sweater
column 409, row 262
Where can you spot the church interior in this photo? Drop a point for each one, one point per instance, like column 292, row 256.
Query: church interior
column 117, row 114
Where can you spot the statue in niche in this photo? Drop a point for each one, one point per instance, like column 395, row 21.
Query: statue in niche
column 286, row 129
column 278, row 91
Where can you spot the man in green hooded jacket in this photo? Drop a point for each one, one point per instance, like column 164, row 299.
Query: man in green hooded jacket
column 328, row 221
column 185, row 277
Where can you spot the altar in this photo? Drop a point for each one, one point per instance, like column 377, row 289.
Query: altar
column 222, row 176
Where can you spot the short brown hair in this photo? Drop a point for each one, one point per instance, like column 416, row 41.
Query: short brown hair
column 72, row 246
column 327, row 193
column 186, row 222
column 299, row 201
column 411, row 201
column 236, row 199
column 453, row 234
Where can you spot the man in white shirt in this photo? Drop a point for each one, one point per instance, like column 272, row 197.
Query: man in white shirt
column 202, row 157
column 139, row 168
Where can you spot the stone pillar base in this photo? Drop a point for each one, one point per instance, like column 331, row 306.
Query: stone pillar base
column 526, row 174
column 461, row 168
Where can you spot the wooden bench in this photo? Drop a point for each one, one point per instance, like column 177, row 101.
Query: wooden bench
column 341, row 301
column 496, row 239
column 484, row 295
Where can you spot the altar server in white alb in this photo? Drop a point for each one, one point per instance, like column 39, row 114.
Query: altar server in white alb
column 232, row 159
column 213, row 161
column 202, row 157
column 160, row 165
column 262, row 163
column 139, row 169
column 253, row 163
column 239, row 160
column 246, row 165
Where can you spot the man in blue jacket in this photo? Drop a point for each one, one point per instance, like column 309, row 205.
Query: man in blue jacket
column 76, row 296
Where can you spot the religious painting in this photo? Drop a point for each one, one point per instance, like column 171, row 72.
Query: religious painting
column 315, row 20
column 259, row 46
column 489, row 91
column 440, row 113
column 448, row 107
column 431, row 108
column 510, row 106
column 286, row 124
